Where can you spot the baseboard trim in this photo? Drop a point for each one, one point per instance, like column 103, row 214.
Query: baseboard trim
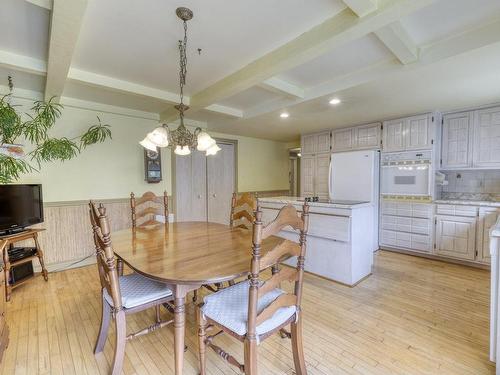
column 438, row 258
column 66, row 265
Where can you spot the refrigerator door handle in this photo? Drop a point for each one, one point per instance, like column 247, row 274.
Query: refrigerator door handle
column 330, row 179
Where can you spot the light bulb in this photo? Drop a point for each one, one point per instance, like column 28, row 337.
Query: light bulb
column 284, row 115
column 147, row 144
column 184, row 150
column 213, row 150
column 335, row 101
column 204, row 141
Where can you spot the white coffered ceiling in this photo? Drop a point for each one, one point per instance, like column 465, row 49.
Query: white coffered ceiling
column 382, row 58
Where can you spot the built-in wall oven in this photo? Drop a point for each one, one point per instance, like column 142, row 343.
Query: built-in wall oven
column 406, row 174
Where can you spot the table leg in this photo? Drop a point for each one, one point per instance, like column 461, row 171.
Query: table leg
column 179, row 327
column 39, row 254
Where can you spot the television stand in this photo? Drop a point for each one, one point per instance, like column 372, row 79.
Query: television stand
column 6, row 242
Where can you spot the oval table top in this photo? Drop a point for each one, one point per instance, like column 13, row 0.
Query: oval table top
column 188, row 252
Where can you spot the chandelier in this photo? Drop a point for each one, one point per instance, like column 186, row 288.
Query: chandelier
column 181, row 139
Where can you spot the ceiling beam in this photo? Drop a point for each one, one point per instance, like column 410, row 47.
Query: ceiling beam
column 280, row 86
column 397, row 40
column 47, row 4
column 336, row 31
column 362, row 7
column 459, row 43
column 22, row 63
column 114, row 84
column 222, row 109
column 66, row 21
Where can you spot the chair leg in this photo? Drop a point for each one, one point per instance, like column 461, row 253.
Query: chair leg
column 251, row 357
column 157, row 311
column 202, row 335
column 103, row 331
column 297, row 347
column 121, row 338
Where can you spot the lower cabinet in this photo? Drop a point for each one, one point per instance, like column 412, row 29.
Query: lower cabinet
column 487, row 218
column 456, row 237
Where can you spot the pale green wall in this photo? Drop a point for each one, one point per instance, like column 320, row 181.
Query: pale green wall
column 115, row 168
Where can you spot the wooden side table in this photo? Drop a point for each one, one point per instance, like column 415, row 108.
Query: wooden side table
column 5, row 242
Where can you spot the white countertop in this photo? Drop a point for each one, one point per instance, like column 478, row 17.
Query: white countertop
column 331, row 204
column 468, row 202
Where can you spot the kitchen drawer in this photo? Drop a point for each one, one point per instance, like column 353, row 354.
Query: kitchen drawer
column 421, row 242
column 407, row 209
column 456, row 210
column 406, row 224
column 421, row 226
column 396, row 239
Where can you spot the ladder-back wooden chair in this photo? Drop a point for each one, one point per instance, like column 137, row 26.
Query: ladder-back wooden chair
column 242, row 209
column 145, row 209
column 241, row 216
column 253, row 310
column 122, row 295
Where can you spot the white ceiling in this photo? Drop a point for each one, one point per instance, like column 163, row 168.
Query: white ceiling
column 136, row 42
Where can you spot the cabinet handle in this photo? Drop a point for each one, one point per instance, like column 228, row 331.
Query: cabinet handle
column 214, row 195
column 199, row 196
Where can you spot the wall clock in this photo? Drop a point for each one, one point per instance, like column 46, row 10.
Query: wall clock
column 152, row 166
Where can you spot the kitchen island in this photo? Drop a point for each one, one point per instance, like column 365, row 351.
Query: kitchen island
column 340, row 241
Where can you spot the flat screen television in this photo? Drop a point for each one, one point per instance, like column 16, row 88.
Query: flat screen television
column 20, row 207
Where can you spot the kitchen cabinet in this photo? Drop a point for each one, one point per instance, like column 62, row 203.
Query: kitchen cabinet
column 456, row 237
column 406, row 225
column 357, row 138
column 456, row 144
column 487, row 138
column 316, row 143
column 410, row 133
column 314, row 175
column 487, row 218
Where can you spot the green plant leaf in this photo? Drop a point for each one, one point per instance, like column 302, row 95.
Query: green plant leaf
column 46, row 113
column 11, row 169
column 95, row 134
column 10, row 122
column 55, row 149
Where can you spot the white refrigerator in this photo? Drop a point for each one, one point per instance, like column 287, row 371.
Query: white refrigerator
column 354, row 176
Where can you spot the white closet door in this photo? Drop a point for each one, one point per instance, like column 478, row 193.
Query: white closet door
column 190, row 187
column 456, row 143
column 487, row 138
column 220, row 184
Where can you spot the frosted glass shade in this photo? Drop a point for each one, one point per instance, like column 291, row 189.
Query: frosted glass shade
column 159, row 137
column 147, row 144
column 184, row 150
column 213, row 150
column 204, row 141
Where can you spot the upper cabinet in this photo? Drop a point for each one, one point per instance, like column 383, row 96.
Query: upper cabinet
column 357, row 138
column 471, row 140
column 316, row 143
column 410, row 133
column 487, row 138
column 457, row 140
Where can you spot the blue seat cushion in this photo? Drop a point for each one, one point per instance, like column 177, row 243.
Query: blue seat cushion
column 137, row 290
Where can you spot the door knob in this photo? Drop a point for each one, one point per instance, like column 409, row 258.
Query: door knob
column 214, row 195
column 199, row 196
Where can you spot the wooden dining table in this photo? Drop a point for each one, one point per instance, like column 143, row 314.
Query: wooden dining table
column 185, row 256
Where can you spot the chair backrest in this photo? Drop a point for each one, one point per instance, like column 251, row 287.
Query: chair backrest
column 106, row 262
column 145, row 208
column 242, row 208
column 287, row 216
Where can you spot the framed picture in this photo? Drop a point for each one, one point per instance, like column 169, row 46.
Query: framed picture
column 152, row 166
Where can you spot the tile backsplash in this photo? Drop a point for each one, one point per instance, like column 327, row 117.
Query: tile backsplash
column 481, row 185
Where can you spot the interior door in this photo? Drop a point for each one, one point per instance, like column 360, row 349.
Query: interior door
column 190, row 187
column 456, row 236
column 456, row 145
column 220, row 183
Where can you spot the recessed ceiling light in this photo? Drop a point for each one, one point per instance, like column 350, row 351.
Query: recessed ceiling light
column 284, row 115
column 335, row 101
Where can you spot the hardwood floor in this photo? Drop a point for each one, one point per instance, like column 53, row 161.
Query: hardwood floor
column 412, row 316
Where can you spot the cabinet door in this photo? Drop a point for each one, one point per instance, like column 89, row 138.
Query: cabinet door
column 418, row 134
column 323, row 142
column 308, row 144
column 393, row 135
column 487, row 138
column 456, row 142
column 367, row 136
column 307, row 171
column 343, row 139
column 487, row 218
column 456, row 237
column 322, row 172
column 191, row 187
